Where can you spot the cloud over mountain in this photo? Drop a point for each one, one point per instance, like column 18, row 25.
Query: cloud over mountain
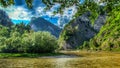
column 20, row 12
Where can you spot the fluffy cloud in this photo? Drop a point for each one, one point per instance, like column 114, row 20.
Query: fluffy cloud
column 67, row 16
column 19, row 13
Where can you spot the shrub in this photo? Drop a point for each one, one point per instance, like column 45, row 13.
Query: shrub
column 36, row 42
column 43, row 42
column 12, row 44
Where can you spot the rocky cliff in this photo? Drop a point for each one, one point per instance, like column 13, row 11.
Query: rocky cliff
column 40, row 24
column 80, row 30
column 100, row 21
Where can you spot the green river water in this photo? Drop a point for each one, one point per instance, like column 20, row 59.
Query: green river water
column 41, row 62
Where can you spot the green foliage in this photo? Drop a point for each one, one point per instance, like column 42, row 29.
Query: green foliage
column 86, row 5
column 20, row 39
column 12, row 44
column 30, row 55
column 50, row 3
column 91, row 6
column 68, row 32
column 29, row 3
column 4, row 31
column 63, row 3
column 85, row 45
column 42, row 42
column 109, row 36
column 6, row 3
column 21, row 28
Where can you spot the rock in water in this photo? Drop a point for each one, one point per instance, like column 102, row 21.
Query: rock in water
column 4, row 19
column 40, row 24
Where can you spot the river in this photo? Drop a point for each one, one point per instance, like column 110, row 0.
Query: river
column 84, row 60
column 62, row 61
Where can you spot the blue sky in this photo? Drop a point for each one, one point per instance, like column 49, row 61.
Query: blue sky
column 19, row 12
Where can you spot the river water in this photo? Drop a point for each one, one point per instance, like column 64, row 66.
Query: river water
column 62, row 61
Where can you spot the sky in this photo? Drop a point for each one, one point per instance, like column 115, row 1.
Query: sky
column 19, row 12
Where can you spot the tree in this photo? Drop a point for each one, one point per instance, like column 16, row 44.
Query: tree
column 21, row 28
column 4, row 31
column 44, row 42
column 12, row 44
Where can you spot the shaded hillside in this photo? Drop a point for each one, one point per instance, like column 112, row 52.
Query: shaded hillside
column 4, row 19
column 40, row 24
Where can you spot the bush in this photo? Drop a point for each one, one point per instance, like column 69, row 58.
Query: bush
column 12, row 44
column 45, row 41
column 36, row 42
column 41, row 42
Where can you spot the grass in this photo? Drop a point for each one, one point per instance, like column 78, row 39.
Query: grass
column 91, row 53
column 27, row 55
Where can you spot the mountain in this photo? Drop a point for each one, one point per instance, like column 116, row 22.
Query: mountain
column 4, row 19
column 80, row 30
column 40, row 24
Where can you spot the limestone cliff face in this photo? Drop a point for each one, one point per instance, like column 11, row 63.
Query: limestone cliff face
column 80, row 30
column 4, row 19
column 40, row 24
column 99, row 22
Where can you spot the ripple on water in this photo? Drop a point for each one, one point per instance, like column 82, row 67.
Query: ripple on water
column 60, row 56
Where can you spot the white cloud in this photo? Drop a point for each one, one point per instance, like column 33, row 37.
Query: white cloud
column 19, row 13
column 70, row 11
column 67, row 16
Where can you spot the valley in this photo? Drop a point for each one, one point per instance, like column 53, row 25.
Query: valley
column 60, row 34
